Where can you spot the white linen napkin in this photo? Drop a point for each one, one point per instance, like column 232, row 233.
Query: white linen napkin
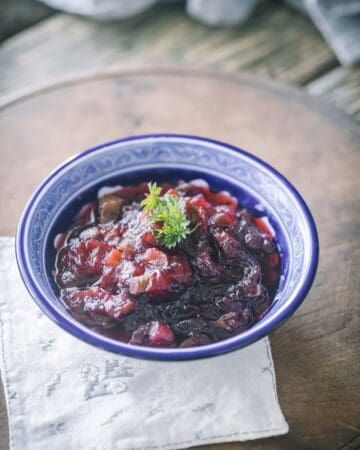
column 62, row 393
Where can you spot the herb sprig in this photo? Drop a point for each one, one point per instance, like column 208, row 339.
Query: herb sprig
column 168, row 210
column 152, row 199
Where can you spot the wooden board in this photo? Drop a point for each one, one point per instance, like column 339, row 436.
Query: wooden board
column 341, row 87
column 276, row 41
column 316, row 352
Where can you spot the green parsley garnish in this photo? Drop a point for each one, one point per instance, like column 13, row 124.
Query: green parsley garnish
column 152, row 198
column 170, row 211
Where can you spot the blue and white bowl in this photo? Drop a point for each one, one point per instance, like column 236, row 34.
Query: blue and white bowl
column 258, row 187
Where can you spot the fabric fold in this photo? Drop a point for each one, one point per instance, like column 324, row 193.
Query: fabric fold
column 64, row 393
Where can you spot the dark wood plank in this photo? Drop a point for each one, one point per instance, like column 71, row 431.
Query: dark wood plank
column 276, row 41
column 316, row 352
column 340, row 87
column 16, row 15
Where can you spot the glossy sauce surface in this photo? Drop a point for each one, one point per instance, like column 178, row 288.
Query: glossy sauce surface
column 116, row 278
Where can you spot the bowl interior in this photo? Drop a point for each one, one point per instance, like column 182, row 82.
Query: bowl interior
column 249, row 200
column 167, row 158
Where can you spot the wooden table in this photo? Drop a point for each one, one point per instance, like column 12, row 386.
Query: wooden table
column 316, row 353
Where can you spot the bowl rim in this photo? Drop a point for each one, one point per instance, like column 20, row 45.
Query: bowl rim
column 238, row 341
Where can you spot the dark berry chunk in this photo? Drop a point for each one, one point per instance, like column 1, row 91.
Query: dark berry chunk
column 195, row 340
column 94, row 302
column 229, row 322
column 229, row 248
column 141, row 335
column 80, row 263
column 206, row 266
column 153, row 333
column 189, row 327
column 234, row 320
column 261, row 304
column 160, row 334
column 254, row 237
column 163, row 274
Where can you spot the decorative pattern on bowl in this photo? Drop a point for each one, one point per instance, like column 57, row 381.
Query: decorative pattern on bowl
column 257, row 186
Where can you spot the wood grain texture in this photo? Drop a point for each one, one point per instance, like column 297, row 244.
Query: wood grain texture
column 65, row 44
column 316, row 352
column 341, row 87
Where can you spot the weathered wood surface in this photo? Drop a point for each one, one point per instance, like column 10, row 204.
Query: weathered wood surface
column 341, row 87
column 276, row 41
column 316, row 352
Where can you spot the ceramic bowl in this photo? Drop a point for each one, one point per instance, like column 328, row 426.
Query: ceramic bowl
column 160, row 157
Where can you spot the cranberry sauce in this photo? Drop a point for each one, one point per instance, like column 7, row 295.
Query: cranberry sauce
column 117, row 279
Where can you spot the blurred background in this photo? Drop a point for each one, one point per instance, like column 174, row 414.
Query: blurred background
column 313, row 44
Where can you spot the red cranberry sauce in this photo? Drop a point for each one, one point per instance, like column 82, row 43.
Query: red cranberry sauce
column 116, row 278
